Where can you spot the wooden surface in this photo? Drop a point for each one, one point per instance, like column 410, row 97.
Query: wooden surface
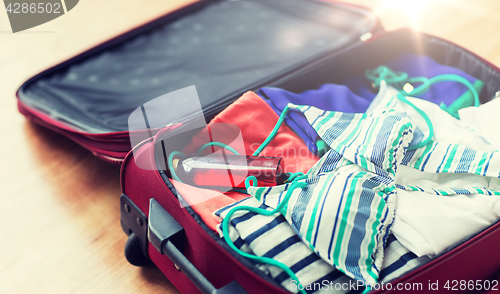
column 59, row 212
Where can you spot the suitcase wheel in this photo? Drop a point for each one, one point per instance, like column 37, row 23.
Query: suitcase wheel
column 133, row 251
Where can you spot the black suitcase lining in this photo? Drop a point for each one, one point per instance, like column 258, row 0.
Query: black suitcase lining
column 354, row 60
column 222, row 47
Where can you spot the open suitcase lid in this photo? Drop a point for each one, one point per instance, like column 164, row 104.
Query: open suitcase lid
column 224, row 48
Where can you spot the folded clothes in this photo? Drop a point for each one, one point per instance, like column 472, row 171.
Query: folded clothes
column 367, row 148
column 249, row 113
column 454, row 148
column 458, row 163
column 416, row 65
column 344, row 208
column 272, row 236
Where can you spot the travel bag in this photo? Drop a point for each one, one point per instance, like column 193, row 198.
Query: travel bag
column 226, row 48
column 472, row 260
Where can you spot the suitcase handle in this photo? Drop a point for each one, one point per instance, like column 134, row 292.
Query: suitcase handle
column 163, row 233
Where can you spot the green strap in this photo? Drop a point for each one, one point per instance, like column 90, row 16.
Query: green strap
column 383, row 73
column 219, row 144
column 463, row 101
column 273, row 132
column 225, row 225
column 427, row 121
column 444, row 78
column 252, row 181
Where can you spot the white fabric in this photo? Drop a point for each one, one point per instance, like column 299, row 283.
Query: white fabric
column 484, row 120
column 428, row 224
column 410, row 176
column 425, row 223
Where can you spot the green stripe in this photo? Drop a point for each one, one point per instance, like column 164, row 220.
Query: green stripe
column 481, row 163
column 337, row 146
column 450, row 160
column 363, row 161
column 284, row 209
column 312, row 221
column 390, row 151
column 324, row 120
column 354, row 132
column 391, row 104
column 258, row 194
column 441, row 191
column 343, row 222
column 421, row 157
column 371, row 245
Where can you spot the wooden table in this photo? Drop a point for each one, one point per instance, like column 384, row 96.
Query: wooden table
column 59, row 218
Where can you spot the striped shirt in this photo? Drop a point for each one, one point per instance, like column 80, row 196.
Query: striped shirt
column 272, row 236
column 345, row 212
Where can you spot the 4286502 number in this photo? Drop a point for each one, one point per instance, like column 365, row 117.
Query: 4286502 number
column 471, row 285
column 34, row 8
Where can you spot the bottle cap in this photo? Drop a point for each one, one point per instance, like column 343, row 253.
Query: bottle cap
column 175, row 163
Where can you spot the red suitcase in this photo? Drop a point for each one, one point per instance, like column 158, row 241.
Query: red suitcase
column 474, row 259
column 176, row 239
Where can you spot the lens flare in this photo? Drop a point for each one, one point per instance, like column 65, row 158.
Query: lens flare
column 410, row 7
column 408, row 12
